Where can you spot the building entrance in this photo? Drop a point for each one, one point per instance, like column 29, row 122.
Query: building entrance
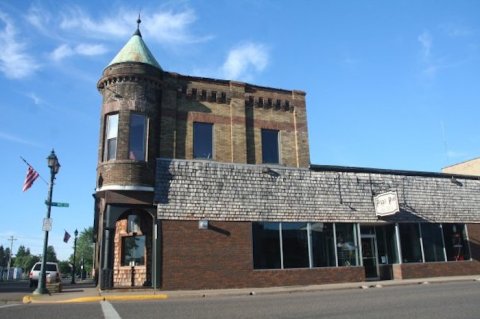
column 370, row 257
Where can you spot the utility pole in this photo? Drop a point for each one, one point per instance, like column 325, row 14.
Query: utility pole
column 11, row 239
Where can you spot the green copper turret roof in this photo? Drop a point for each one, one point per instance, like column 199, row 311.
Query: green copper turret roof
column 135, row 51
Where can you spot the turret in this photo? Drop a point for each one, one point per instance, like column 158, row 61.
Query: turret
column 131, row 90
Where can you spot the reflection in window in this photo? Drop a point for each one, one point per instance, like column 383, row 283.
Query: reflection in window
column 266, row 246
column 133, row 250
column 432, row 242
column 456, row 244
column 137, row 137
column 133, row 224
column 110, row 143
column 270, row 147
column 347, row 248
column 386, row 244
column 203, row 140
column 323, row 248
column 410, row 243
column 286, row 245
column 295, row 245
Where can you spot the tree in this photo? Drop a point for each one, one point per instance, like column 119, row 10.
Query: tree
column 65, row 267
column 3, row 257
column 25, row 259
column 51, row 254
column 84, row 251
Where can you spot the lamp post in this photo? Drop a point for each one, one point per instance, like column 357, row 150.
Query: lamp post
column 54, row 166
column 74, row 253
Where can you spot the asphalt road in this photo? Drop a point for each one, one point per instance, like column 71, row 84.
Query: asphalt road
column 439, row 301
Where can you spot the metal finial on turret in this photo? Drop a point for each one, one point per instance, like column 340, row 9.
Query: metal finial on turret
column 137, row 32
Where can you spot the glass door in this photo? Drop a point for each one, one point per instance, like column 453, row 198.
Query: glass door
column 369, row 256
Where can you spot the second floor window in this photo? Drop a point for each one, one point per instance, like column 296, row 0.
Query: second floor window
column 137, row 137
column 270, row 152
column 111, row 132
column 203, row 140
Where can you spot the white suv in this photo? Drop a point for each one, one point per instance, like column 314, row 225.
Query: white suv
column 52, row 271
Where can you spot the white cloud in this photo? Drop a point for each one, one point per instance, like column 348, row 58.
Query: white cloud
column 15, row 139
column 15, row 62
column 172, row 28
column 65, row 50
column 39, row 18
column 36, row 100
column 456, row 154
column 164, row 27
column 245, row 60
column 457, row 31
column 426, row 43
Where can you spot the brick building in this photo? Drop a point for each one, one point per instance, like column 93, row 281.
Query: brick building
column 207, row 183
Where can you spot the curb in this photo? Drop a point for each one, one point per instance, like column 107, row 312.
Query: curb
column 32, row 299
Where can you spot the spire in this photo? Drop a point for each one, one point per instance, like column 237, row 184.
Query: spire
column 137, row 32
column 135, row 50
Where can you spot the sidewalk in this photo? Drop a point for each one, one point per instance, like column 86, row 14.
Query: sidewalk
column 92, row 294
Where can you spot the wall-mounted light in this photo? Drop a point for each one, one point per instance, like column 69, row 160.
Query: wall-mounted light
column 203, row 224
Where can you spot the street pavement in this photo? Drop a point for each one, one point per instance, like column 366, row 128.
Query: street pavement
column 85, row 291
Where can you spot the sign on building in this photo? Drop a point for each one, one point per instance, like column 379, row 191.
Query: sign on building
column 386, row 204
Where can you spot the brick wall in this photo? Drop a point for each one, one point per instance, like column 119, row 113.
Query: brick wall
column 221, row 257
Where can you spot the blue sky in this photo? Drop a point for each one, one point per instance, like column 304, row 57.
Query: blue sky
column 390, row 84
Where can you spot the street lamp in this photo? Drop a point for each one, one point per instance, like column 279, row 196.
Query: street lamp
column 74, row 253
column 54, row 166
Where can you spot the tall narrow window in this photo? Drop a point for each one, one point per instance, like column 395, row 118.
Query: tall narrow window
column 456, row 244
column 410, row 243
column 137, row 137
column 203, row 140
column 270, row 146
column 110, row 143
column 347, row 248
column 266, row 246
column 295, row 245
column 432, row 242
column 323, row 253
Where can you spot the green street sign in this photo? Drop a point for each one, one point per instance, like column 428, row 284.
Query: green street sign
column 58, row 204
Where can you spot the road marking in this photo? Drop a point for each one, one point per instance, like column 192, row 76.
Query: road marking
column 108, row 311
column 10, row 305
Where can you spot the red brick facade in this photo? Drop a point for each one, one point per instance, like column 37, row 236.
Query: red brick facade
column 221, row 257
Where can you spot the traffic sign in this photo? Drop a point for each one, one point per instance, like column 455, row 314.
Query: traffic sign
column 47, row 224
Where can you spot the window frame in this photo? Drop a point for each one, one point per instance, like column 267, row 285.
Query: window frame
column 196, row 138
column 265, row 159
column 144, row 143
column 107, row 155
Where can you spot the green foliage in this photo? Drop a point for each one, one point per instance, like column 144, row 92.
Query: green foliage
column 51, row 254
column 65, row 267
column 84, row 251
column 3, row 257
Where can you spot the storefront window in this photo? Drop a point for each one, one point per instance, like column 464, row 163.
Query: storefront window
column 347, row 248
column 410, row 242
column 323, row 248
column 266, row 246
column 295, row 245
column 456, row 244
column 387, row 244
column 133, row 252
column 432, row 242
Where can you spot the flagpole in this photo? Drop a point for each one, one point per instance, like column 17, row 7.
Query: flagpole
column 43, row 179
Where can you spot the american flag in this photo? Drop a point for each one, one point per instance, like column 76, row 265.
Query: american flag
column 32, row 175
column 66, row 237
